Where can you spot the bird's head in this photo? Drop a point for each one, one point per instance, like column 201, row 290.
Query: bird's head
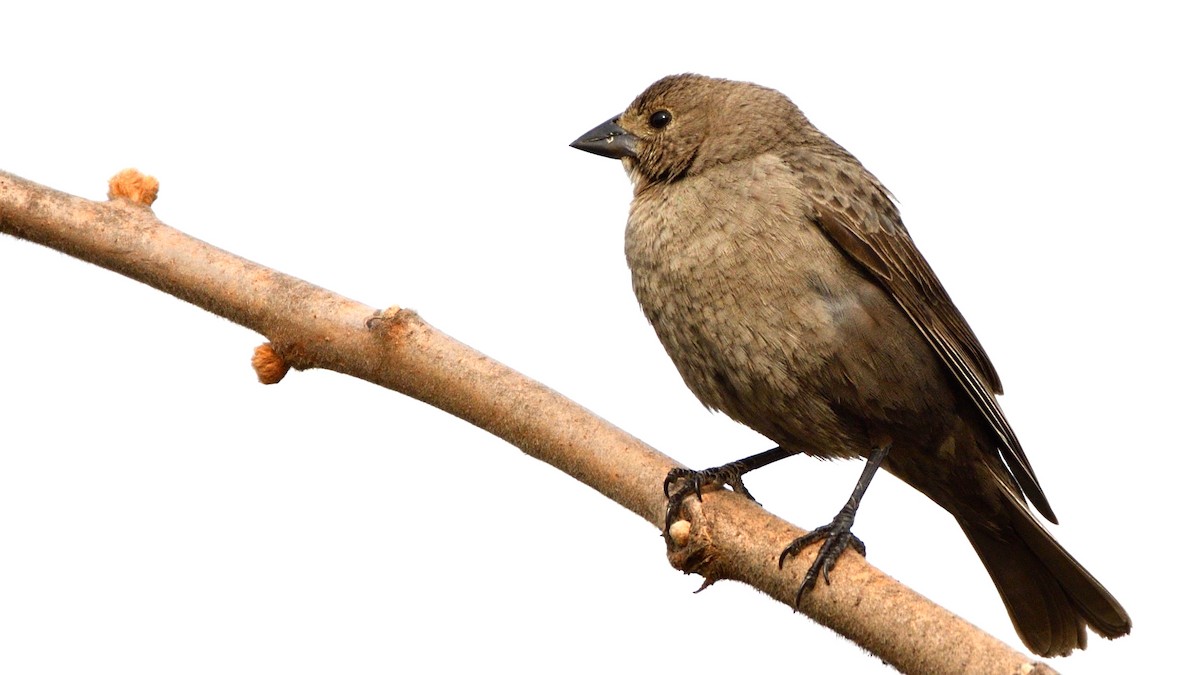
column 684, row 124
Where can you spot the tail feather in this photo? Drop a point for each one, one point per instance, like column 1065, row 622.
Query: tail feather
column 1049, row 595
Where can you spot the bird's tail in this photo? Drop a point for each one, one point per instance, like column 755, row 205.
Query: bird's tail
column 1049, row 595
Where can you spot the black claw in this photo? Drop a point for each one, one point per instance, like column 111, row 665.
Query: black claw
column 730, row 474
column 837, row 533
column 673, row 505
column 695, row 482
column 836, row 538
column 672, row 476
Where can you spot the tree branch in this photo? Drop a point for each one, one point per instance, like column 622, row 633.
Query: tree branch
column 722, row 537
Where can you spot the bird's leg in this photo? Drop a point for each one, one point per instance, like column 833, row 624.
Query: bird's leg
column 729, row 474
column 837, row 533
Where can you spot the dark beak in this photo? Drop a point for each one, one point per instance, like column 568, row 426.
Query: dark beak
column 608, row 140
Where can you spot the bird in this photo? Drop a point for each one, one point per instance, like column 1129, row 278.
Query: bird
column 778, row 275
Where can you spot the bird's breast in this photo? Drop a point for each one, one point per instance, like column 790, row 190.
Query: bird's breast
column 762, row 314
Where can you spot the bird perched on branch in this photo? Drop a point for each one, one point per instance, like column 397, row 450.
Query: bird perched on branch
column 784, row 286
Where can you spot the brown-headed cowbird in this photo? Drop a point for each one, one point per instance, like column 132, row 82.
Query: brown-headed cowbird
column 783, row 284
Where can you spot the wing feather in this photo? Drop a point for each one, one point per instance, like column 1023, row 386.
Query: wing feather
column 871, row 234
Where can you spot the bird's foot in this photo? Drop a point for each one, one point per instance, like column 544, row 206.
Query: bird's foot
column 694, row 483
column 837, row 538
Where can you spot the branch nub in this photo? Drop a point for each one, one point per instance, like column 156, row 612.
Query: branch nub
column 133, row 185
column 268, row 364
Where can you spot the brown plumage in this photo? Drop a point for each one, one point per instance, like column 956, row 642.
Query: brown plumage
column 783, row 284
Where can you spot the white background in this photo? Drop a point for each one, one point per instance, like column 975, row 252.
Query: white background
column 161, row 512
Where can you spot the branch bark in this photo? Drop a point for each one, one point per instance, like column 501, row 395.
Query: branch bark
column 722, row 537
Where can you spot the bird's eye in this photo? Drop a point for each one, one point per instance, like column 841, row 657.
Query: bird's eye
column 660, row 119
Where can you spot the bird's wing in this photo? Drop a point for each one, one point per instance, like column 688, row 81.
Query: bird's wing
column 872, row 235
